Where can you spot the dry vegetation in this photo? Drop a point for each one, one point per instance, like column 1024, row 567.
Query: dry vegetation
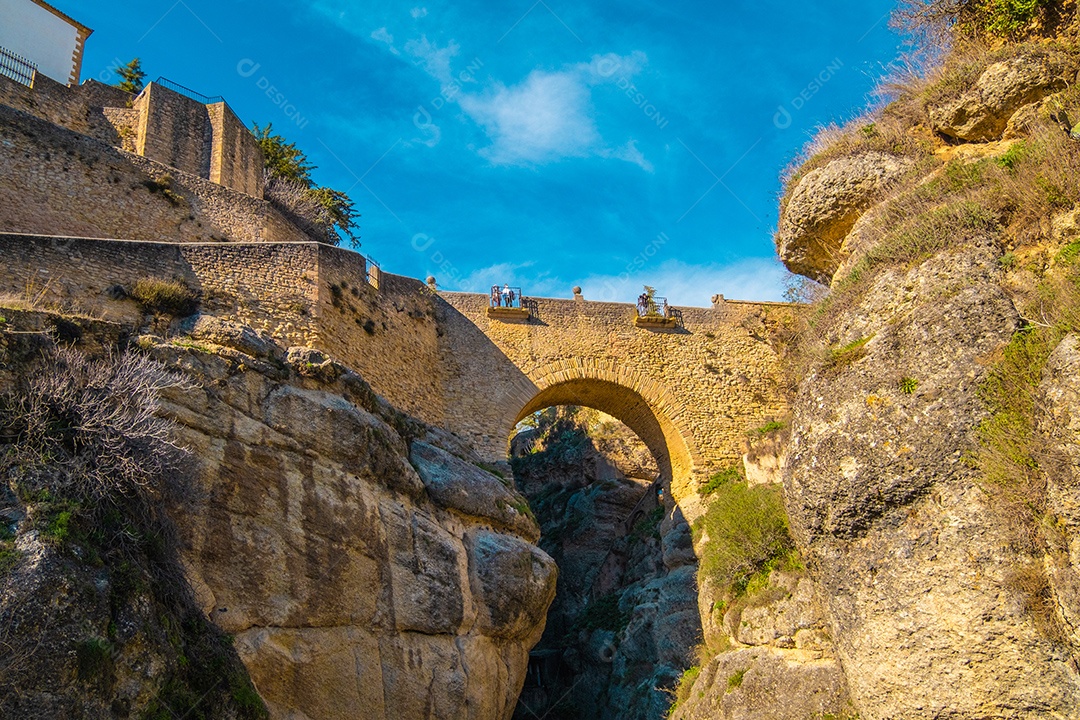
column 85, row 452
column 1011, row 199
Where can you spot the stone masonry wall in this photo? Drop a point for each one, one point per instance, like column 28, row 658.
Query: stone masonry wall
column 389, row 335
column 174, row 130
column 207, row 141
column 57, row 182
column 77, row 108
column 269, row 286
column 691, row 393
column 235, row 159
column 707, row 383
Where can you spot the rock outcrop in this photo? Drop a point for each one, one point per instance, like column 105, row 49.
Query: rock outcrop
column 824, row 206
column 1060, row 425
column 354, row 584
column 625, row 617
column 761, row 682
column 908, row 548
column 982, row 113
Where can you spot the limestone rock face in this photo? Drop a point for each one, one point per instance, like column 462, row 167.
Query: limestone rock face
column 825, row 205
column 982, row 113
column 218, row 331
column 766, row 683
column 354, row 585
column 913, row 557
column 1060, row 424
column 457, row 485
column 763, row 461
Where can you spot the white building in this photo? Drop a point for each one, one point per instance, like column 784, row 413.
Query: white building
column 37, row 32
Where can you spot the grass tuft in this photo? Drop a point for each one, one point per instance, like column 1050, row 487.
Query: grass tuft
column 168, row 297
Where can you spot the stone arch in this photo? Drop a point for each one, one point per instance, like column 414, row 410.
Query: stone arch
column 644, row 404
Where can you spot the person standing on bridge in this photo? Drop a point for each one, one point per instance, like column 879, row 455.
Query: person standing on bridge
column 506, row 295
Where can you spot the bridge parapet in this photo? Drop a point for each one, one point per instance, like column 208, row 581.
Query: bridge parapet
column 691, row 391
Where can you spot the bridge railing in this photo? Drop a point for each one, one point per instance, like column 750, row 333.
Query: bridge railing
column 653, row 307
column 506, row 297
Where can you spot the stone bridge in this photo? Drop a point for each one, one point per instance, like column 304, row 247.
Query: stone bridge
column 690, row 392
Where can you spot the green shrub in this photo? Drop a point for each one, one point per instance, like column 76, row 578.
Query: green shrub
column 168, row 297
column 983, row 19
column 163, row 185
column 1068, row 254
column 522, row 508
column 1012, row 157
column 685, row 685
column 1008, row 438
column 649, row 526
column 94, row 656
column 735, row 679
column 845, row 355
column 716, row 480
column 771, row 426
column 1007, row 18
column 908, row 385
column 9, row 557
column 747, row 529
column 603, row 614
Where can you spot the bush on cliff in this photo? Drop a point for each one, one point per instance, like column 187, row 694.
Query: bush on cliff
column 169, row 297
column 1003, row 19
column 86, row 455
column 746, row 529
column 324, row 213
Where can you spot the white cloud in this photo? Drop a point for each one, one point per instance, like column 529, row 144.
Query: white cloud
column 430, row 133
column 418, row 12
column 611, row 67
column 523, row 275
column 546, row 117
column 383, row 35
column 630, row 154
column 549, row 116
column 434, row 59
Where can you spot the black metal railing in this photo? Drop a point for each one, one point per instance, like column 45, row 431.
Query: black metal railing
column 505, row 297
column 373, row 271
column 188, row 92
column 653, row 307
column 17, row 67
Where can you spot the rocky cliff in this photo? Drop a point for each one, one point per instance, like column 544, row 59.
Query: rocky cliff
column 929, row 477
column 625, row 618
column 363, row 563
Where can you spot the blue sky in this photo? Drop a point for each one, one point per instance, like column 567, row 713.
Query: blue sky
column 545, row 143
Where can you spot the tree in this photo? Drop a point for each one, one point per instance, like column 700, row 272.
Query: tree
column 131, row 77
column 1006, row 19
column 283, row 159
column 326, row 212
column 650, row 301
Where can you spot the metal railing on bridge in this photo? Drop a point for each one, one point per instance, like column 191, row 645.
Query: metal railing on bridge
column 651, row 306
column 17, row 67
column 506, row 297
